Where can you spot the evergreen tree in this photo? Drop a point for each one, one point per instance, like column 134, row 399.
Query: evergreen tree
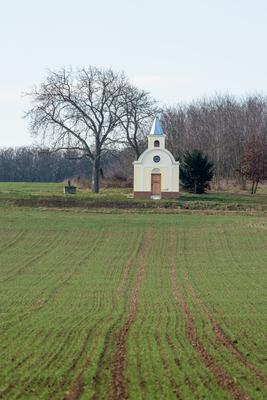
column 196, row 171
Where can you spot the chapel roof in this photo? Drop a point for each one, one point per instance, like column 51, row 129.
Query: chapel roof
column 156, row 128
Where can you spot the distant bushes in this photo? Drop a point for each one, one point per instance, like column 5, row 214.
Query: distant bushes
column 115, row 181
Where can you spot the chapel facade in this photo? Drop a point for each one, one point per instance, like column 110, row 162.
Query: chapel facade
column 156, row 173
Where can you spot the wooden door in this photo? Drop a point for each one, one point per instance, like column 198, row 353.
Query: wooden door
column 156, row 184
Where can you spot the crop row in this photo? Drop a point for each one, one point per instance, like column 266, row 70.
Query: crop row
column 160, row 308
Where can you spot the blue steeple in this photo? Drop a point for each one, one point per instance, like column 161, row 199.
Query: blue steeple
column 156, row 128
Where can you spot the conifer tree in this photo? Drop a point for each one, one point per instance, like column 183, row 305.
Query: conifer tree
column 196, row 171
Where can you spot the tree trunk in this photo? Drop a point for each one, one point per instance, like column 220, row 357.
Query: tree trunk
column 243, row 183
column 195, row 187
column 252, row 187
column 95, row 175
column 256, row 187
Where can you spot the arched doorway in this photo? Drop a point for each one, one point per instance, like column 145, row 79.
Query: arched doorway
column 156, row 182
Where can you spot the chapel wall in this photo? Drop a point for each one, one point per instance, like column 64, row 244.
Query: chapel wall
column 175, row 179
column 138, row 178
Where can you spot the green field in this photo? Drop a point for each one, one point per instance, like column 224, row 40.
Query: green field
column 51, row 195
column 132, row 305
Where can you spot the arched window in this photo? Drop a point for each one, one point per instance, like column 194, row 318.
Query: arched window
column 156, row 143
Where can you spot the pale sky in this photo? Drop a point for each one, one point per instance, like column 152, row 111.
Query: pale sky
column 178, row 50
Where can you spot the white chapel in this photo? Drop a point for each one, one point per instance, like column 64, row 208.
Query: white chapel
column 156, row 173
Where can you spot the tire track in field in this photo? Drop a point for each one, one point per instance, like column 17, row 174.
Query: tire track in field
column 11, row 385
column 178, row 360
column 119, row 385
column 165, row 358
column 76, row 387
column 174, row 386
column 69, row 275
column 41, row 302
column 222, row 337
column 13, row 241
column 59, row 284
column 170, row 341
column 31, row 246
column 76, row 384
column 52, row 244
column 224, row 380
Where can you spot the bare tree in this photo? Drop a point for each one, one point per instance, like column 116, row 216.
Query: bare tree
column 140, row 109
column 220, row 126
column 254, row 161
column 174, row 122
column 80, row 111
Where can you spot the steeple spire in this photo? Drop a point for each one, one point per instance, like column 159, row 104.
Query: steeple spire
column 156, row 128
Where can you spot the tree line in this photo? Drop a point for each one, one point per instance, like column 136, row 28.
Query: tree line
column 26, row 164
column 225, row 128
column 30, row 164
column 94, row 121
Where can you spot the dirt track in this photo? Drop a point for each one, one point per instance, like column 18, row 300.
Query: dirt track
column 221, row 336
column 77, row 386
column 119, row 385
column 223, row 379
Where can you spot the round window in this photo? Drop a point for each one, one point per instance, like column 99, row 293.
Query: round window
column 156, row 158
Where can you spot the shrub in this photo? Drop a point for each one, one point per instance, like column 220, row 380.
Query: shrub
column 196, row 172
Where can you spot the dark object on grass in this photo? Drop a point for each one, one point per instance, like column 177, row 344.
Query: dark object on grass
column 196, row 172
column 70, row 189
